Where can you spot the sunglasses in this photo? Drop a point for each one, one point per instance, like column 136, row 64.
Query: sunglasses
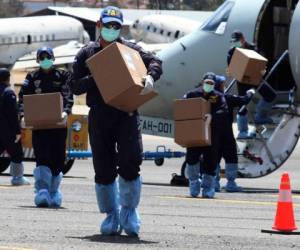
column 43, row 57
column 112, row 25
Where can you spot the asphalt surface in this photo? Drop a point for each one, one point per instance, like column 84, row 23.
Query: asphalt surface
column 170, row 218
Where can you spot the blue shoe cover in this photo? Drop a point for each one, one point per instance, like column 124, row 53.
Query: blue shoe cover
column 55, row 193
column 246, row 135
column 107, row 199
column 232, row 187
column 208, row 185
column 17, row 171
column 194, row 187
column 263, row 109
column 193, row 173
column 130, row 192
column 42, row 176
column 242, row 122
column 231, row 174
column 19, row 181
column 42, row 198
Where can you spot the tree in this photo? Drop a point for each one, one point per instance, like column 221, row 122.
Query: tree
column 11, row 8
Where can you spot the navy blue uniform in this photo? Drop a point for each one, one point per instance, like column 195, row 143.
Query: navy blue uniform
column 49, row 145
column 242, row 88
column 109, row 126
column 9, row 124
column 228, row 150
column 220, row 121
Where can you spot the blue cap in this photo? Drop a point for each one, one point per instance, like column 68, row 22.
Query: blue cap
column 220, row 79
column 111, row 14
column 47, row 50
column 209, row 76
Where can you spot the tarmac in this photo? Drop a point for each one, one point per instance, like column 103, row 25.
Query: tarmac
column 170, row 218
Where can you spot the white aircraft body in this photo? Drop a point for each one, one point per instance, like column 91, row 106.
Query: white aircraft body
column 161, row 28
column 274, row 27
column 21, row 35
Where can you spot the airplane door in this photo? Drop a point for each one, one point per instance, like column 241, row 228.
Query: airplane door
column 294, row 48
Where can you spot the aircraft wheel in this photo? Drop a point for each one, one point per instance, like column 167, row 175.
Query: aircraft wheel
column 159, row 161
column 68, row 165
column 4, row 163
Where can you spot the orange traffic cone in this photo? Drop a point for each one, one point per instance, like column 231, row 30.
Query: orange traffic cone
column 284, row 218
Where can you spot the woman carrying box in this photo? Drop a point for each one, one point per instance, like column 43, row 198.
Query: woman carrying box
column 49, row 144
column 209, row 154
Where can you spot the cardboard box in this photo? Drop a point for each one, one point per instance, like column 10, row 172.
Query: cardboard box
column 191, row 127
column 118, row 71
column 43, row 111
column 246, row 66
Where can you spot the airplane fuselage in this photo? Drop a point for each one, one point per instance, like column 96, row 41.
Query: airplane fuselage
column 19, row 36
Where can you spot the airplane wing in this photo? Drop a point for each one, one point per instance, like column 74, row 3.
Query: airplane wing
column 64, row 54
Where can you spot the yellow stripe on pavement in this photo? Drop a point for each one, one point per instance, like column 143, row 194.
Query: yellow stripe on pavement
column 223, row 200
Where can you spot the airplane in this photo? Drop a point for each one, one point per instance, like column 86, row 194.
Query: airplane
column 273, row 26
column 21, row 35
column 270, row 24
column 160, row 28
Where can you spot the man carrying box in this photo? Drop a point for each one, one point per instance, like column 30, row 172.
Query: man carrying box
column 114, row 134
column 49, row 144
column 265, row 103
column 220, row 123
column 10, row 131
column 238, row 40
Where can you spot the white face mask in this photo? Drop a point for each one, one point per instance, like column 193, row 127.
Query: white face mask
column 208, row 87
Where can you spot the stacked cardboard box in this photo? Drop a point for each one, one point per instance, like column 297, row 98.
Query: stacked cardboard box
column 191, row 127
column 118, row 71
column 246, row 66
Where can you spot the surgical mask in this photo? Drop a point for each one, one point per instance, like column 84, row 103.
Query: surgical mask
column 237, row 44
column 208, row 87
column 46, row 63
column 110, row 35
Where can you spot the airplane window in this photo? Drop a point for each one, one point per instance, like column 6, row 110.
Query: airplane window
column 41, row 38
column 23, row 39
column 53, row 37
column 9, row 40
column 220, row 16
column 169, row 33
column 161, row 32
column 148, row 27
column 3, row 40
column 16, row 40
column 177, row 34
column 34, row 39
column 154, row 29
column 47, row 38
column 29, row 39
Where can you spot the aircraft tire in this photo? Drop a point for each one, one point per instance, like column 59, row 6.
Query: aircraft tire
column 159, row 161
